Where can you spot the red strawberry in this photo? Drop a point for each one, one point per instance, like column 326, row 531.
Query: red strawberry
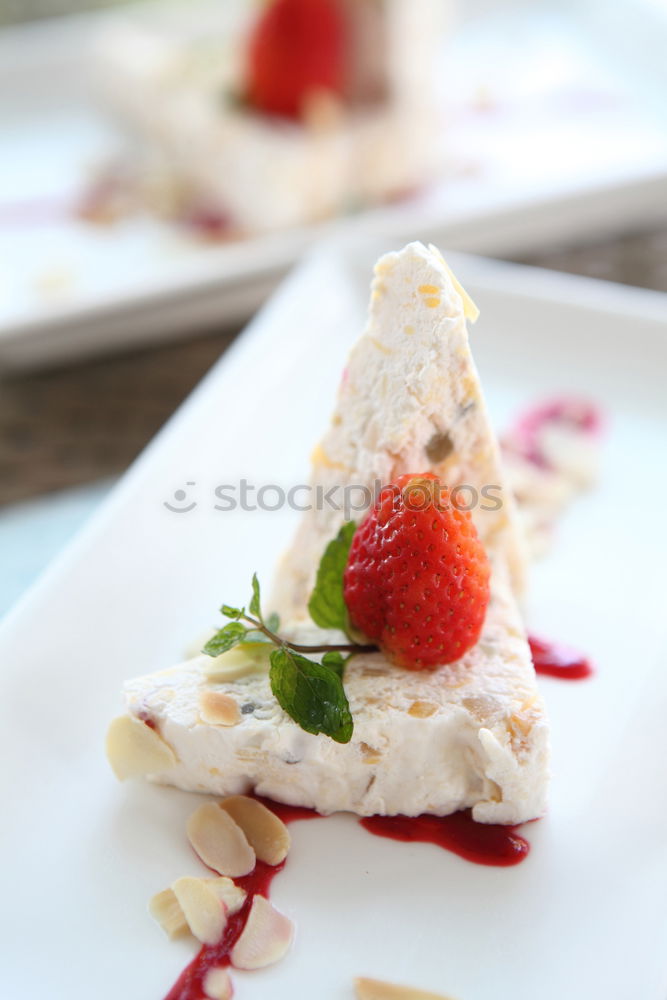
column 297, row 47
column 417, row 576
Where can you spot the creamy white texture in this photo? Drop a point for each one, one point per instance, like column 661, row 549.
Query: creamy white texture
column 469, row 734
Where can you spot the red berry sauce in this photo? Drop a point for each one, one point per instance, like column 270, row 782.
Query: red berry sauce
column 558, row 660
column 578, row 414
column 482, row 843
column 190, row 984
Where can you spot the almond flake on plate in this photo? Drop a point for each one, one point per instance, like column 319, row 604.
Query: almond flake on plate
column 228, row 893
column 134, row 749
column 265, row 832
column 265, row 939
column 218, row 985
column 219, row 842
column 166, row 910
column 374, row 989
column 203, row 910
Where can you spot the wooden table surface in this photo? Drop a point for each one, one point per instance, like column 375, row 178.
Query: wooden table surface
column 69, row 426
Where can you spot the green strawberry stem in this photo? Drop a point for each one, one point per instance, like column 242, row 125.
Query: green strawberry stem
column 350, row 647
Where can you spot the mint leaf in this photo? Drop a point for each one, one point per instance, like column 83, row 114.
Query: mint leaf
column 326, row 605
column 273, row 622
column 255, row 605
column 225, row 639
column 335, row 661
column 229, row 612
column 311, row 693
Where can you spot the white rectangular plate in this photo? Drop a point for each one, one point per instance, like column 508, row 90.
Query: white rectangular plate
column 584, row 916
column 549, row 132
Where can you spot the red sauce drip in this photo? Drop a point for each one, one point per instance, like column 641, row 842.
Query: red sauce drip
column 558, row 660
column 190, row 984
column 287, row 813
column 483, row 843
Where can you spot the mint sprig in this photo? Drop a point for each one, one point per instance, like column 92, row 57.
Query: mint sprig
column 273, row 622
column 311, row 693
column 335, row 661
column 327, row 605
column 228, row 637
column 255, row 600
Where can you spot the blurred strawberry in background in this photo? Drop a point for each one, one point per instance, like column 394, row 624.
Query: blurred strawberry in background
column 297, row 48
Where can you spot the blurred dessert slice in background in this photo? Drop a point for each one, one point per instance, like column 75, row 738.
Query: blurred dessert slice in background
column 285, row 115
column 551, row 455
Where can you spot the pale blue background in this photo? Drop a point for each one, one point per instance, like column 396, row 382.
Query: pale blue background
column 32, row 533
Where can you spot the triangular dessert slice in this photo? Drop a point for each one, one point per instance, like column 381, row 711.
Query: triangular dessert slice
column 471, row 734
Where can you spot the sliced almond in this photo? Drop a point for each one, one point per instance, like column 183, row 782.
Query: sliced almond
column 470, row 310
column 219, row 709
column 218, row 985
column 264, row 831
column 219, row 842
column 236, row 663
column 204, row 912
column 134, row 749
column 422, row 709
column 373, row 989
column 265, row 939
column 228, row 893
column 165, row 908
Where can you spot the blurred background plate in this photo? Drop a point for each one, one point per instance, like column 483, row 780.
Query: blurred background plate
column 553, row 129
column 584, row 916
